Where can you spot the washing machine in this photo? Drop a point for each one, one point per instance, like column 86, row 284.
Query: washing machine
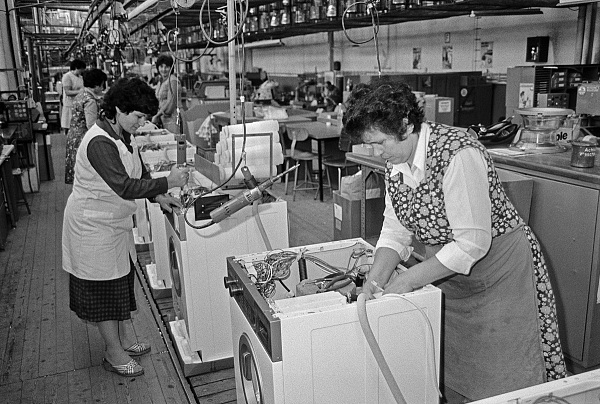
column 141, row 228
column 310, row 348
column 583, row 388
column 197, row 261
column 159, row 248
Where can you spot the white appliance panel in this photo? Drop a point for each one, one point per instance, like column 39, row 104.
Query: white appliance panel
column 159, row 248
column 323, row 355
column 204, row 301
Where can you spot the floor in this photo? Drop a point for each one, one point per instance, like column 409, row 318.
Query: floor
column 48, row 355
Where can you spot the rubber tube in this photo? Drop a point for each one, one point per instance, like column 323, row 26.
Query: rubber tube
column 260, row 225
column 361, row 305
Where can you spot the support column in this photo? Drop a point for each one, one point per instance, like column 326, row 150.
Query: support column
column 8, row 77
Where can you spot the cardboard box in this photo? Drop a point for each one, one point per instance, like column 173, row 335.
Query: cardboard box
column 439, row 109
column 346, row 217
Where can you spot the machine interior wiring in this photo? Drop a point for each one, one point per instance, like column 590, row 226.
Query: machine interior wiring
column 277, row 266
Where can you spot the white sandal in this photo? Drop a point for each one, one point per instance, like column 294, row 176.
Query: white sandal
column 126, row 370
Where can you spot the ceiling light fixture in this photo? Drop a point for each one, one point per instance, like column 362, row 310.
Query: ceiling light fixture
column 270, row 43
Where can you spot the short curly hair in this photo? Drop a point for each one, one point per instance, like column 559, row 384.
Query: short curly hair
column 93, row 78
column 385, row 105
column 77, row 64
column 164, row 60
column 129, row 95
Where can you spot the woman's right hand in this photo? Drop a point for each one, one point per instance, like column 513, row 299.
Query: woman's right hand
column 371, row 288
column 178, row 177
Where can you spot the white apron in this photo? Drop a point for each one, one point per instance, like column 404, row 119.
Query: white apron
column 97, row 228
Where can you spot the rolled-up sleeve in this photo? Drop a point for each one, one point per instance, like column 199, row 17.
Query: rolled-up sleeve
column 468, row 206
column 393, row 234
column 104, row 158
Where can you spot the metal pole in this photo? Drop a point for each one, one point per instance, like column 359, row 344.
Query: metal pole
column 231, row 58
column 585, row 50
column 595, row 58
column 580, row 34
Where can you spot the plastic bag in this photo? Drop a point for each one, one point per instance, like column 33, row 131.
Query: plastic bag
column 351, row 186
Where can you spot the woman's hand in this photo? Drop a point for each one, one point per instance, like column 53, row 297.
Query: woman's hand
column 398, row 284
column 167, row 202
column 371, row 288
column 178, row 177
column 156, row 119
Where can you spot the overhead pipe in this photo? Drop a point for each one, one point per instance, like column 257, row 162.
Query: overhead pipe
column 140, row 9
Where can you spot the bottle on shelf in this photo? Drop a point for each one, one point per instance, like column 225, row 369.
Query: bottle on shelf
column 331, row 12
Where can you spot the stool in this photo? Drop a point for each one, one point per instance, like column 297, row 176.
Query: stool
column 305, row 158
column 341, row 163
column 17, row 173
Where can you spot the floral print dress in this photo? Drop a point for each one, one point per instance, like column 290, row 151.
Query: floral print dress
column 78, row 128
column 500, row 326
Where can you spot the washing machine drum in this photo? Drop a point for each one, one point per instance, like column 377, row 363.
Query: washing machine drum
column 174, row 265
column 249, row 372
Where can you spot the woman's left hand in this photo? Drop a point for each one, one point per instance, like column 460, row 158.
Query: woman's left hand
column 167, row 202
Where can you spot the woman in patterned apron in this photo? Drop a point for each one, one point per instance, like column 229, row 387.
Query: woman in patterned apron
column 500, row 329
column 98, row 247
column 85, row 114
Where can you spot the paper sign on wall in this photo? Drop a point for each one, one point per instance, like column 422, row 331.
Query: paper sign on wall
column 445, row 106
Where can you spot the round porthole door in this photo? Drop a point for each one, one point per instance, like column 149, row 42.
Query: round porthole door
column 249, row 372
column 174, row 266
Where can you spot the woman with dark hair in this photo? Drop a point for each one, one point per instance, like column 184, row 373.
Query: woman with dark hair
column 98, row 247
column 72, row 83
column 168, row 94
column 85, row 113
column 500, row 331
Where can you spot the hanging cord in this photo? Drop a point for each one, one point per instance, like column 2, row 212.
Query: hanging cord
column 374, row 23
column 208, row 35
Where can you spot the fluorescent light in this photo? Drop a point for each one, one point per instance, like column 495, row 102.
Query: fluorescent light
column 270, row 43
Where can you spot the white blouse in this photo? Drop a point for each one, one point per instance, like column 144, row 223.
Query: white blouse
column 468, row 206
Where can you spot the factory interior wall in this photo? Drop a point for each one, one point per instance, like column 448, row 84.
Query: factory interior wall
column 309, row 53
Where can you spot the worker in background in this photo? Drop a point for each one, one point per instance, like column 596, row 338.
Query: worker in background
column 500, row 329
column 168, row 94
column 72, row 83
column 97, row 238
column 332, row 95
column 86, row 106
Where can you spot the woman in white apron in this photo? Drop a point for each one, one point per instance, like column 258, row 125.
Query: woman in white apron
column 98, row 245
column 500, row 329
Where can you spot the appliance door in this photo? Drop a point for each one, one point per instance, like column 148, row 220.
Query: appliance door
column 175, row 268
column 257, row 379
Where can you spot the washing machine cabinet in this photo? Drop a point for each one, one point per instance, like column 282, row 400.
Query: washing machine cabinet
column 142, row 225
column 159, row 247
column 583, row 388
column 311, row 348
column 197, row 261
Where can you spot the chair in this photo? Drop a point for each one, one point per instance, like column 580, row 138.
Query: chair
column 305, row 158
column 341, row 163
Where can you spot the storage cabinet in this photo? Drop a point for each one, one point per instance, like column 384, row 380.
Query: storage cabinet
column 565, row 218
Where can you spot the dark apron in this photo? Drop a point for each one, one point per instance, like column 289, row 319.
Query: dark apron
column 489, row 313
